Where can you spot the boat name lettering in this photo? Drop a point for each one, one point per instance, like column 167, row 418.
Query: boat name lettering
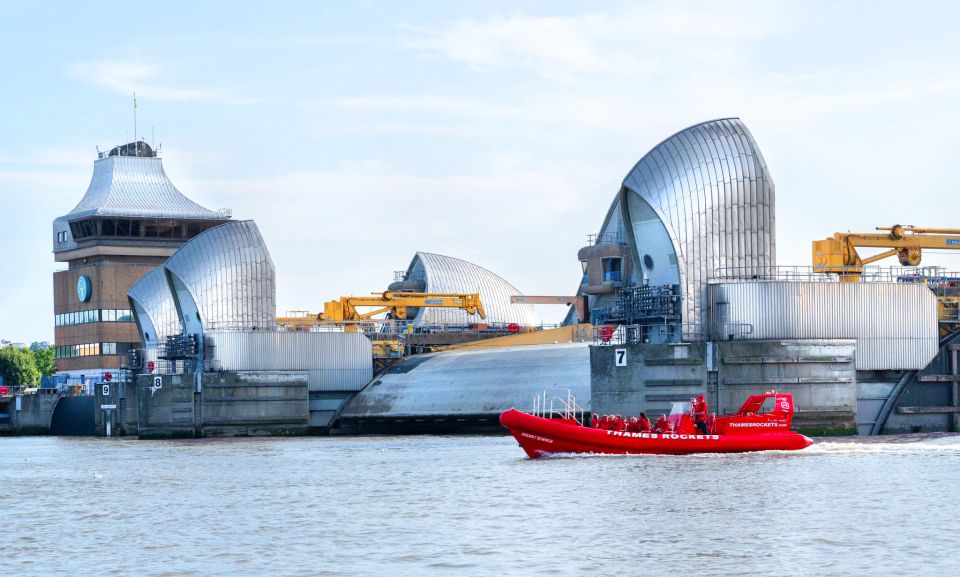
column 536, row 438
column 673, row 436
column 760, row 424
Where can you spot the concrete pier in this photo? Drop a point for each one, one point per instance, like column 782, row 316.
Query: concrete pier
column 28, row 414
column 820, row 374
column 228, row 404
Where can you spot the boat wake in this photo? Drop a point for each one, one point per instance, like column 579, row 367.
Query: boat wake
column 887, row 444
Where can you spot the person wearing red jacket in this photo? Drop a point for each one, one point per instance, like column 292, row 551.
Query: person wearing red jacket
column 643, row 424
column 712, row 424
column 698, row 406
column 662, row 425
column 633, row 425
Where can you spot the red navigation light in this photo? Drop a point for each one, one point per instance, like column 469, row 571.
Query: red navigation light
column 108, row 377
column 514, row 328
column 150, row 366
column 606, row 333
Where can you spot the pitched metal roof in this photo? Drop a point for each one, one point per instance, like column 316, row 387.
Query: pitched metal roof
column 136, row 186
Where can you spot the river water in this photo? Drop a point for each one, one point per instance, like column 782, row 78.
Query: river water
column 389, row 506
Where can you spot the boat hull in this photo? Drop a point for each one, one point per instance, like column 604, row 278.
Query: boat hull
column 538, row 436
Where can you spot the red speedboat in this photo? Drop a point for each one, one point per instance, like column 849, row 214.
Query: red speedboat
column 761, row 424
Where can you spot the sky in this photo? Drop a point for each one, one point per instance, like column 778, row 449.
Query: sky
column 358, row 133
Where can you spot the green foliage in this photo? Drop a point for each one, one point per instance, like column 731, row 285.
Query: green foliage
column 18, row 367
column 45, row 360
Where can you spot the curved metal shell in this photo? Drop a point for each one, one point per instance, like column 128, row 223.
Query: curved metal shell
column 153, row 307
column 482, row 382
column 444, row 274
column 224, row 279
column 701, row 200
column 135, row 186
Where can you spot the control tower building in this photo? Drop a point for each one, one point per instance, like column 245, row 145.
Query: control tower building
column 131, row 219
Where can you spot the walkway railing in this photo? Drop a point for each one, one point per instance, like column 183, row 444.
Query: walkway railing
column 925, row 274
column 668, row 333
column 558, row 403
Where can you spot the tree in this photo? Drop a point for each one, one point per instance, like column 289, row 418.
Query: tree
column 18, row 367
column 45, row 360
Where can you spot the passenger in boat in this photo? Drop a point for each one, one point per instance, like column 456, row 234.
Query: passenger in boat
column 633, row 425
column 698, row 406
column 662, row 425
column 621, row 423
column 712, row 424
column 643, row 424
column 595, row 420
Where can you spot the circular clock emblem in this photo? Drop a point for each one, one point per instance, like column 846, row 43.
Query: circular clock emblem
column 84, row 289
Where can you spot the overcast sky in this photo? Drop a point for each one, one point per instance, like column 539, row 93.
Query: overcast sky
column 358, row 133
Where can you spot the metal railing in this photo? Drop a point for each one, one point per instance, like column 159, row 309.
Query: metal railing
column 669, row 333
column 551, row 405
column 404, row 327
column 925, row 274
column 605, row 238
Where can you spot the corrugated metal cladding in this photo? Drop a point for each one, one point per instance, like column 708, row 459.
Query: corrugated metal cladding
column 444, row 274
column 895, row 324
column 711, row 188
column 151, row 302
column 136, row 186
column 475, row 382
column 130, row 186
column 333, row 361
column 230, row 276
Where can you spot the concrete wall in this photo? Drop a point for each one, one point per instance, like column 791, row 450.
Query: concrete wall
column 255, row 403
column 166, row 406
column 34, row 414
column 230, row 404
column 116, row 403
column 927, row 393
column 820, row 374
column 648, row 377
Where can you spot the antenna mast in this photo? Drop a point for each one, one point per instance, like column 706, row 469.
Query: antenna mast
column 136, row 148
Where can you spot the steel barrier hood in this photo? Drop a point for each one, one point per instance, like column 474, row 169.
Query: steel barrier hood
column 475, row 382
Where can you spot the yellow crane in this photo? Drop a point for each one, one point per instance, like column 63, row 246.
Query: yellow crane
column 344, row 310
column 838, row 254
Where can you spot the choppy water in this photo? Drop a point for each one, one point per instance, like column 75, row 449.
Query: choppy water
column 473, row 506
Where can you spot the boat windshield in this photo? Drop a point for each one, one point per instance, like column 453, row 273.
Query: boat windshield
column 680, row 408
column 676, row 414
